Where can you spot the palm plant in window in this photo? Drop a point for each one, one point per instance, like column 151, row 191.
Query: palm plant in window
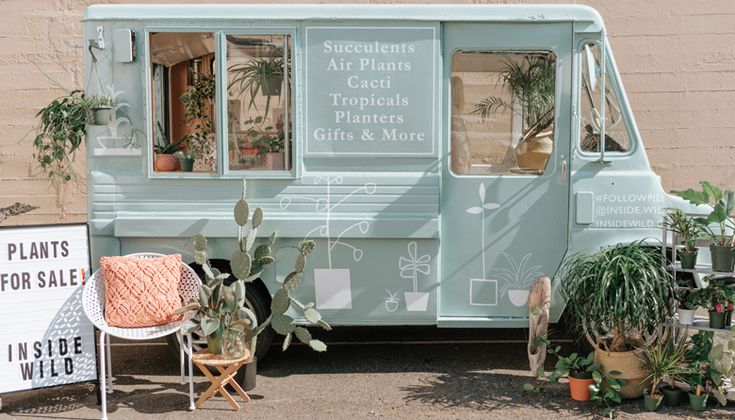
column 531, row 83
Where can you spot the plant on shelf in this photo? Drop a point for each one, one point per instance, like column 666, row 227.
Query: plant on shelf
column 531, row 84
column 686, row 305
column 709, row 366
column 665, row 359
column 221, row 307
column 722, row 203
column 165, row 150
column 688, row 231
column 618, row 297
column 579, row 371
column 198, row 103
column 717, row 299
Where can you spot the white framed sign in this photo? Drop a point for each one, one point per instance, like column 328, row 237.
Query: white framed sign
column 45, row 338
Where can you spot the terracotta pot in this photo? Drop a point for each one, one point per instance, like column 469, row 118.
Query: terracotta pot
column 166, row 163
column 631, row 368
column 580, row 388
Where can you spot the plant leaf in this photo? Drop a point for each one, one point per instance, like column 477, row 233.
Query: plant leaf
column 474, row 210
column 312, row 315
column 241, row 212
column 303, row 335
column 280, row 302
column 257, row 217
column 209, row 325
column 317, row 345
column 283, row 324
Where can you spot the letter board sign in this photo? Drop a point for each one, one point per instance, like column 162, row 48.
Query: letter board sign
column 46, row 339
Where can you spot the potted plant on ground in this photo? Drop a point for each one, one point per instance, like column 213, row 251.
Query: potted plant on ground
column 686, row 305
column 618, row 297
column 578, row 371
column 688, row 231
column 665, row 359
column 164, row 149
column 722, row 203
column 101, row 108
column 531, row 84
column 709, row 366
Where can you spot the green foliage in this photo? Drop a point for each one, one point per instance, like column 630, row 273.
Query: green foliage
column 722, row 203
column 101, row 102
column 686, row 299
column 710, row 365
column 164, row 145
column 253, row 77
column 531, row 82
column 263, row 138
column 713, row 295
column 618, row 295
column 573, row 365
column 685, row 226
column 666, row 358
column 606, row 390
column 60, row 133
column 198, row 102
column 221, row 305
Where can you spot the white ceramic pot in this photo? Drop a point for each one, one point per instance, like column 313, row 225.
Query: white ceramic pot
column 518, row 297
column 416, row 301
column 686, row 316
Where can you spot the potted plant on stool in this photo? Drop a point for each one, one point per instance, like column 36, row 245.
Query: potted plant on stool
column 714, row 297
column 618, row 297
column 688, row 231
column 722, row 204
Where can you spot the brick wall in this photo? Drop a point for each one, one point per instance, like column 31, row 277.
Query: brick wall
column 676, row 58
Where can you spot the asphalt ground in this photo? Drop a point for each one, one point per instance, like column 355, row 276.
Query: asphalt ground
column 366, row 373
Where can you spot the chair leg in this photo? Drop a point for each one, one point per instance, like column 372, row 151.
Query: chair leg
column 181, row 357
column 109, row 365
column 103, row 377
column 191, row 370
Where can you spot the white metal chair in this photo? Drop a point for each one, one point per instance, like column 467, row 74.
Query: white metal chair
column 93, row 302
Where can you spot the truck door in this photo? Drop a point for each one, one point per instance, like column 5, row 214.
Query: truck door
column 505, row 186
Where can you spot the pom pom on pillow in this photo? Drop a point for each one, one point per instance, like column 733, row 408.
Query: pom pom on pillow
column 141, row 292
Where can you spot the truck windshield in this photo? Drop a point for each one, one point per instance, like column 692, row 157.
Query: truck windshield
column 616, row 132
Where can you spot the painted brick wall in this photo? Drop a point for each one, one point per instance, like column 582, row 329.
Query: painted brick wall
column 676, row 58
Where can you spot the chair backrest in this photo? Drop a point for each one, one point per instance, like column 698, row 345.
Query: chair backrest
column 93, row 303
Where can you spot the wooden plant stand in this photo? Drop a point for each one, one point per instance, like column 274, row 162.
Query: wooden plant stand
column 227, row 369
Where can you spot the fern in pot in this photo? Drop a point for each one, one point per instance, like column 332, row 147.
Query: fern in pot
column 618, row 297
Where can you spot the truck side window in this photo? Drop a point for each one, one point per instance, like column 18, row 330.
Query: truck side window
column 259, row 119
column 616, row 133
column 502, row 112
column 183, row 99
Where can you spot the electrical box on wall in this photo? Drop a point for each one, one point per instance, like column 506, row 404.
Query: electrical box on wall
column 123, row 44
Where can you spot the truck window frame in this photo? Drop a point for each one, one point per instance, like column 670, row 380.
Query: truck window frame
column 613, row 82
column 220, row 105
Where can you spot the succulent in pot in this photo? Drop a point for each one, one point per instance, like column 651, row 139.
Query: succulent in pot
column 722, row 203
column 686, row 305
column 165, row 149
column 618, row 297
column 688, row 231
column 186, row 160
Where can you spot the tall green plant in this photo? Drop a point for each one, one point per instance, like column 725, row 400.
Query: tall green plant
column 722, row 203
column 531, row 83
column 619, row 295
column 198, row 101
column 666, row 359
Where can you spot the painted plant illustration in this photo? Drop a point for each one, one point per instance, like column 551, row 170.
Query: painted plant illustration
column 333, row 289
column 517, row 278
column 483, row 291
column 391, row 301
column 410, row 268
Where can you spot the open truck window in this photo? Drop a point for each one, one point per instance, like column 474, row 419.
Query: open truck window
column 183, row 101
column 617, row 138
column 502, row 112
column 259, row 117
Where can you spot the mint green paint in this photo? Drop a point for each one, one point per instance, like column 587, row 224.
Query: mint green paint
column 396, row 244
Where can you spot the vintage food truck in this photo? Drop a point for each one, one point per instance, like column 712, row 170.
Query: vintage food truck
column 442, row 157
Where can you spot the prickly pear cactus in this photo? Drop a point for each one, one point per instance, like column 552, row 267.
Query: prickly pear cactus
column 222, row 306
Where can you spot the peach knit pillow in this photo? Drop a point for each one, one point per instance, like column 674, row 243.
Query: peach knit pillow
column 141, row 292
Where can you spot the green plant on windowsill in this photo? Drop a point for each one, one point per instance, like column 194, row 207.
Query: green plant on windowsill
column 263, row 139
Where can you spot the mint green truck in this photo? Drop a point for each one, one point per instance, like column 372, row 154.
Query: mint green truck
column 442, row 157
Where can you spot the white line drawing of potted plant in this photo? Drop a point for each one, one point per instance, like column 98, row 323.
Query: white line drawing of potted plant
column 332, row 285
column 480, row 288
column 517, row 278
column 410, row 267
column 116, row 144
column 391, row 301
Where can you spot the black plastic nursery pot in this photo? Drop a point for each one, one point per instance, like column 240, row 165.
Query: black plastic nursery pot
column 723, row 258
column 688, row 259
column 672, row 396
column 651, row 403
column 698, row 402
column 717, row 319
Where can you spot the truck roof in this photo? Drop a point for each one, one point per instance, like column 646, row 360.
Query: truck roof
column 353, row 12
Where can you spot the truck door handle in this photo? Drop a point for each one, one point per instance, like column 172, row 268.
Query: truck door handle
column 564, row 170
